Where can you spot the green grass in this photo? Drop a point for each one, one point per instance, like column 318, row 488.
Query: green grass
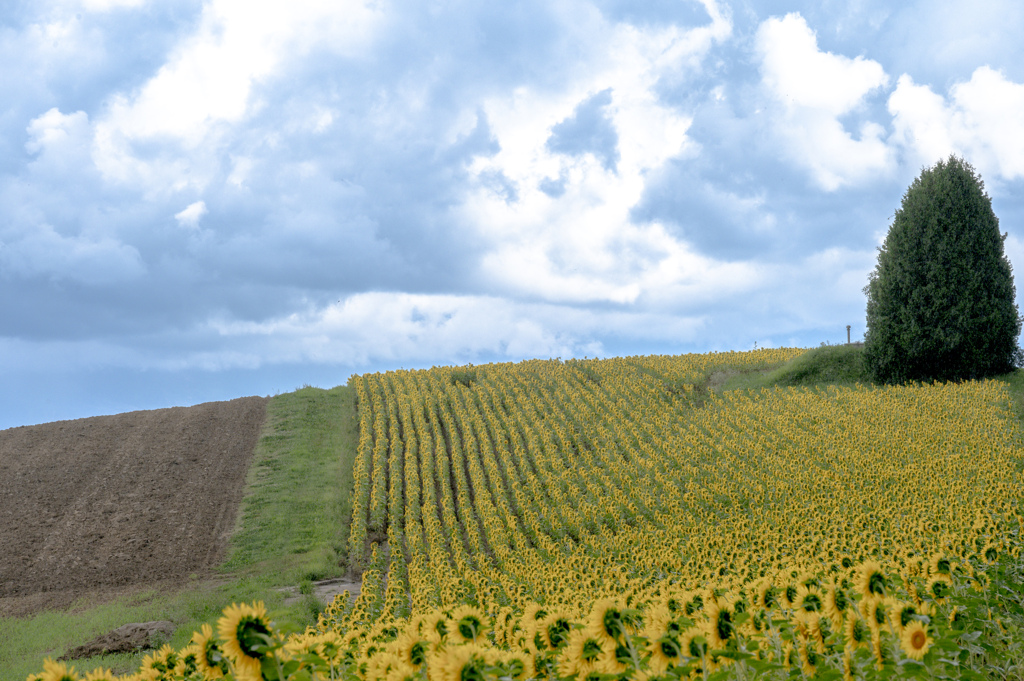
column 291, row 530
column 825, row 365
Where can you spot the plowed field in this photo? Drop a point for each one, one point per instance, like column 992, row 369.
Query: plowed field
column 114, row 502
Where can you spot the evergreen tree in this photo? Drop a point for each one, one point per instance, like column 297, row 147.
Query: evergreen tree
column 941, row 300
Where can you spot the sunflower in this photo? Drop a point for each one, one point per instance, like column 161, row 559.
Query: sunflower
column 811, row 626
column 790, row 655
column 244, row 629
column 939, row 586
column 672, row 600
column 554, row 630
column 857, row 632
column 876, row 613
column 519, row 665
column 665, row 652
column 162, row 661
column 330, row 646
column 694, row 643
column 57, row 671
column 615, row 660
column 881, row 657
column 808, row 599
column 809, row 658
column 401, row 673
column 582, row 653
column 209, row 661
column 455, row 663
column 871, row 582
column 901, row 614
column 532, row 612
column 765, row 594
column 940, row 564
column 382, row 665
column 693, row 602
column 915, row 640
column 835, row 603
column 188, row 661
column 605, row 619
column 720, row 627
column 469, row 624
column 99, row 675
column 981, row 581
column 412, row 649
column 437, row 627
column 787, row 592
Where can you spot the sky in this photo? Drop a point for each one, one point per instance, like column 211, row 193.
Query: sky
column 205, row 199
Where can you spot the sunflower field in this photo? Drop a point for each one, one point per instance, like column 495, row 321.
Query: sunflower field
column 616, row 519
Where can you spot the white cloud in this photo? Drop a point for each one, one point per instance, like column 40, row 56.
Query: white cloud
column 189, row 217
column 57, row 133
column 815, row 88
column 581, row 246
column 97, row 260
column 209, row 79
column 393, row 327
column 107, row 5
column 981, row 121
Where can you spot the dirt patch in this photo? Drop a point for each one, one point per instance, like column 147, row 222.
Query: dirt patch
column 324, row 590
column 108, row 502
column 126, row 639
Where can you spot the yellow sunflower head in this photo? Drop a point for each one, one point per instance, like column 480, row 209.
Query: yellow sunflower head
column 616, row 660
column 582, row 653
column 871, row 581
column 835, row 602
column 857, row 632
column 468, row 624
column 57, row 671
column 808, row 599
column 412, row 649
column 938, row 587
column 694, row 643
column 188, row 661
column 659, row 620
column 459, row 662
column 901, row 613
column 915, row 640
column 809, row 658
column 245, row 630
column 437, row 626
column 331, row 646
column 162, row 661
column 606, row 619
column 508, row 665
column 720, row 627
column 554, row 630
column 940, row 564
column 693, row 602
column 766, row 594
column 99, row 675
column 665, row 651
column 210, row 661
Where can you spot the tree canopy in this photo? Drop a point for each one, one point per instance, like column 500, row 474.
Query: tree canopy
column 941, row 300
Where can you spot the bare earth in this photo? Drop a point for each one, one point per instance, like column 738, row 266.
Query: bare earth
column 107, row 503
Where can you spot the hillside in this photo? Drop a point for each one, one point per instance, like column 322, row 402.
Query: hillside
column 767, row 514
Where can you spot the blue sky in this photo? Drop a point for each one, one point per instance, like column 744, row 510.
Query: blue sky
column 206, row 199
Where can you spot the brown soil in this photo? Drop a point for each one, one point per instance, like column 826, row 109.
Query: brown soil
column 107, row 503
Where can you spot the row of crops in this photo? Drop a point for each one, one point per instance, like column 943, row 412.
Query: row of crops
column 603, row 519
